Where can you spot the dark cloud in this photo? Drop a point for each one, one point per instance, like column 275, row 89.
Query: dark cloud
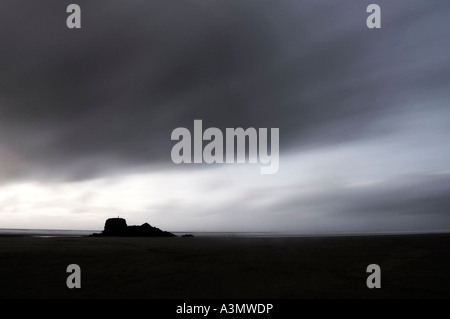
column 78, row 103
column 415, row 202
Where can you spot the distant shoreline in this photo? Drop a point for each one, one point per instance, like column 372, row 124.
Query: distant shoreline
column 11, row 232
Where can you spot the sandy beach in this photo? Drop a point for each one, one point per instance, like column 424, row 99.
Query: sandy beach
column 415, row 266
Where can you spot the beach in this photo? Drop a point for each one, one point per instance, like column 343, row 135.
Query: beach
column 412, row 266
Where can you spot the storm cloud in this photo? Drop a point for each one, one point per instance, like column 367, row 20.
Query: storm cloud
column 100, row 102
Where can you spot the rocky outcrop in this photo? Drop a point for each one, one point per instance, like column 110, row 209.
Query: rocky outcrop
column 119, row 227
column 115, row 227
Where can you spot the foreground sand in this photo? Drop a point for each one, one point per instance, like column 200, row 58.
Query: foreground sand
column 412, row 267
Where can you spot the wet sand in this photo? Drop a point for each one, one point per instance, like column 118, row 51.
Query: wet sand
column 415, row 266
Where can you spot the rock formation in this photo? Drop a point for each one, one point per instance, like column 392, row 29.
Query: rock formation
column 119, row 227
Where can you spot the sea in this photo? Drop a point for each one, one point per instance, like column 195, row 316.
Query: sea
column 83, row 233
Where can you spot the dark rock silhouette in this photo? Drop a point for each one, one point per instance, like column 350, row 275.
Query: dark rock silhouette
column 115, row 227
column 119, row 227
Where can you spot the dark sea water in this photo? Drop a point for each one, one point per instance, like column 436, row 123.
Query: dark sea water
column 82, row 233
column 46, row 232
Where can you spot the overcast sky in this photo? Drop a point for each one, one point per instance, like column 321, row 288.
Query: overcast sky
column 364, row 116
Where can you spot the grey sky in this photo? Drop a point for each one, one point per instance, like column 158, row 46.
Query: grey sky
column 86, row 115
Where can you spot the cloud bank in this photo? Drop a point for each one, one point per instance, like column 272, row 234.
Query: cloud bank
column 354, row 107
